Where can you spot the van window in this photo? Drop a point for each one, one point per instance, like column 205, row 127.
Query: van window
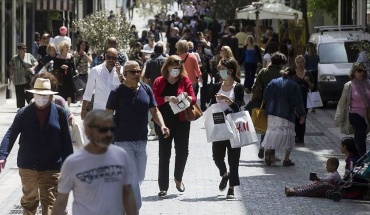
column 340, row 52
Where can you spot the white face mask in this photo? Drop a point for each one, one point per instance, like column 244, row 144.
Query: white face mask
column 175, row 72
column 223, row 74
column 41, row 100
column 289, row 46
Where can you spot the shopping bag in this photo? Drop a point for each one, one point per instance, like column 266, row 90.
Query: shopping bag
column 244, row 132
column 79, row 138
column 314, row 100
column 259, row 119
column 181, row 106
column 217, row 127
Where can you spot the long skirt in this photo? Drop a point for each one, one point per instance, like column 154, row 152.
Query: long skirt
column 280, row 134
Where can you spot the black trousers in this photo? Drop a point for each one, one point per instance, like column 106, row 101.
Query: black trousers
column 22, row 95
column 204, row 92
column 233, row 157
column 300, row 129
column 359, row 124
column 179, row 132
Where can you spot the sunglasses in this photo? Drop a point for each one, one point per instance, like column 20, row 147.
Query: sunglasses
column 109, row 57
column 178, row 62
column 135, row 71
column 361, row 71
column 103, row 129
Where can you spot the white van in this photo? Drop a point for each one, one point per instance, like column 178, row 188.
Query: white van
column 334, row 47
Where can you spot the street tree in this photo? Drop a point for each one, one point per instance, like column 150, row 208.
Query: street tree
column 328, row 6
column 96, row 28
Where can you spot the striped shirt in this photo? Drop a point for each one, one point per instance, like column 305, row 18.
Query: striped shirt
column 20, row 71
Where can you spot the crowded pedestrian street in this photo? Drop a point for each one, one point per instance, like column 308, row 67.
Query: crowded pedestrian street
column 262, row 189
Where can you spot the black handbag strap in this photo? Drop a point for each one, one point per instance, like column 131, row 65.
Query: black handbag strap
column 24, row 66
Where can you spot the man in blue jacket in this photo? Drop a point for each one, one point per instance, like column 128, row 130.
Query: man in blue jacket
column 44, row 143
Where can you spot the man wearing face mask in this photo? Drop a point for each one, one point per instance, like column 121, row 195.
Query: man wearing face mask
column 44, row 144
column 102, row 79
column 95, row 193
column 131, row 102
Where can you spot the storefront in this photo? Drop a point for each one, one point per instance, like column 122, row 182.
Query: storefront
column 17, row 25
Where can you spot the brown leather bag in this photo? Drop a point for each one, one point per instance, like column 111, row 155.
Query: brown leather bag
column 193, row 112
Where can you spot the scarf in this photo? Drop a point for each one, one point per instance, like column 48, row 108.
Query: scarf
column 361, row 87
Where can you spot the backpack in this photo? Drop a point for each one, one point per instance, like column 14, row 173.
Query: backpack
column 178, row 26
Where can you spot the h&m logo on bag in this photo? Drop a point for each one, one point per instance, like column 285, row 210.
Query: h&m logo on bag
column 242, row 126
column 218, row 118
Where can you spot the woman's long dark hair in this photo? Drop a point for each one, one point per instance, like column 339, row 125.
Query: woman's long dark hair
column 349, row 143
column 232, row 64
column 87, row 45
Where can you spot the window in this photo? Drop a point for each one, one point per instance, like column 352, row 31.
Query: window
column 339, row 52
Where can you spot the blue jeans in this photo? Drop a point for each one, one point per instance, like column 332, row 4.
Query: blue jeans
column 137, row 152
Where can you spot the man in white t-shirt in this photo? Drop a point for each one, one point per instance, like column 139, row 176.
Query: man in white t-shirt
column 62, row 37
column 100, row 175
column 189, row 10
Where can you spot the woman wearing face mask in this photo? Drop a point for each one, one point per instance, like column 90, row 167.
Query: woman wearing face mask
column 166, row 88
column 229, row 94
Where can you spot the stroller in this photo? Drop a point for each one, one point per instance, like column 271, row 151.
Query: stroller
column 358, row 177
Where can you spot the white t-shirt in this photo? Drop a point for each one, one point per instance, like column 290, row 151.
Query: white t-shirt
column 148, row 48
column 190, row 10
column 230, row 94
column 97, row 180
column 267, row 58
column 59, row 39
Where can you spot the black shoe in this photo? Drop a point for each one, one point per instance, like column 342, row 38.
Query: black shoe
column 180, row 188
column 261, row 152
column 288, row 163
column 223, row 183
column 162, row 193
column 230, row 194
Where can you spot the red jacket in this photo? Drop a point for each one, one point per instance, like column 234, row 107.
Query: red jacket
column 184, row 86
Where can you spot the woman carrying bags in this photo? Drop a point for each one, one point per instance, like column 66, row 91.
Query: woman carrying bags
column 229, row 94
column 166, row 88
column 351, row 109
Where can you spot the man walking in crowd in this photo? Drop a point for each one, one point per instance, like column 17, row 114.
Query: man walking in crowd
column 131, row 102
column 112, row 43
column 95, row 193
column 45, row 143
column 151, row 71
column 62, row 36
column 171, row 41
column 45, row 41
column 102, row 79
column 231, row 41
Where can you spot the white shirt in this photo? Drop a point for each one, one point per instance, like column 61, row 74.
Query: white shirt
column 190, row 10
column 223, row 104
column 102, row 82
column 148, row 48
column 59, row 39
column 97, row 180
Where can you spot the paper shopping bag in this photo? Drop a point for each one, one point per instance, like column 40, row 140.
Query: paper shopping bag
column 181, row 106
column 314, row 100
column 259, row 119
column 217, row 127
column 244, row 132
column 79, row 138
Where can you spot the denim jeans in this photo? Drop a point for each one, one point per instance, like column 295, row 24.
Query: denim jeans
column 137, row 152
column 38, row 186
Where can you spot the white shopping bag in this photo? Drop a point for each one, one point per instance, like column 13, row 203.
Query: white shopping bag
column 79, row 138
column 217, row 127
column 243, row 129
column 314, row 100
column 181, row 106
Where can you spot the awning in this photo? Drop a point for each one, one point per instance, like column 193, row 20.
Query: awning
column 60, row 5
column 267, row 11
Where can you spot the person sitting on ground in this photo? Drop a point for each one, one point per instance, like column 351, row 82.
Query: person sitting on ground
column 319, row 186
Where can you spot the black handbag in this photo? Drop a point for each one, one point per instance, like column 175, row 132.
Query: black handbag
column 79, row 85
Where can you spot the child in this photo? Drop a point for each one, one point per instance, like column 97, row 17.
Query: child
column 319, row 186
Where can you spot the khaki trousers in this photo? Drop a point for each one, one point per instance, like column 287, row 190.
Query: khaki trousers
column 38, row 186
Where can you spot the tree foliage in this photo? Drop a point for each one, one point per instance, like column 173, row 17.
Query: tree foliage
column 96, row 28
column 328, row 6
column 226, row 9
